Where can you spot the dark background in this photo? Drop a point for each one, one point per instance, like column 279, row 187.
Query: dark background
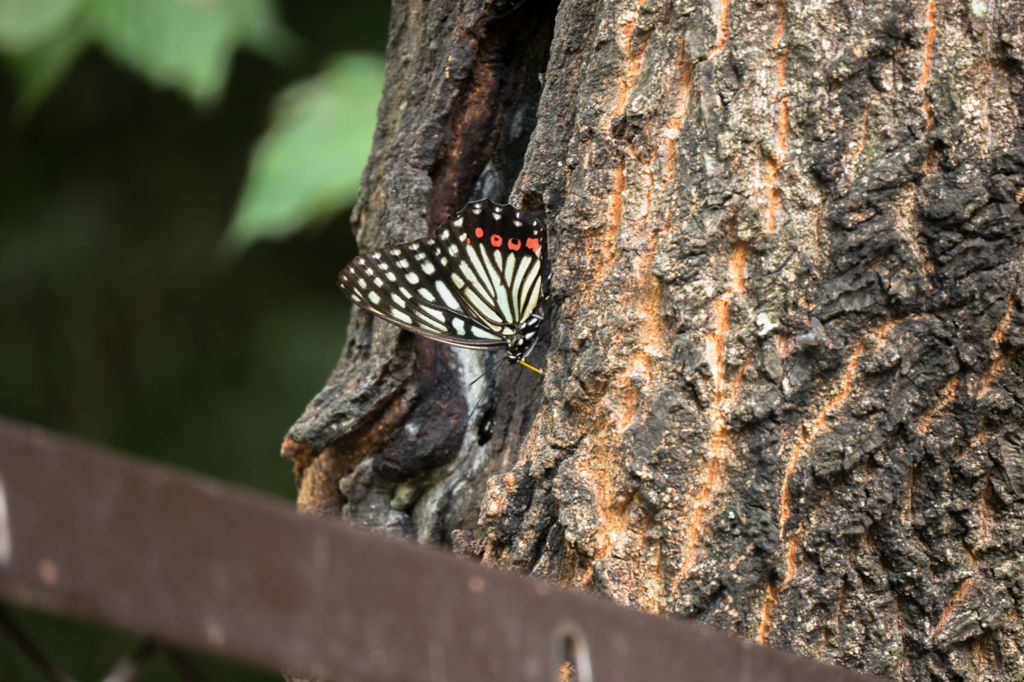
column 123, row 323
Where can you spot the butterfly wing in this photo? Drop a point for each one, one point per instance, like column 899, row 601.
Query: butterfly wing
column 472, row 285
column 407, row 285
column 495, row 256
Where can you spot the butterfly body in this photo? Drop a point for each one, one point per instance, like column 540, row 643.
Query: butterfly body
column 477, row 283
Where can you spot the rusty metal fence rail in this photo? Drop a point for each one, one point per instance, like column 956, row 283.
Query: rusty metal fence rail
column 204, row 566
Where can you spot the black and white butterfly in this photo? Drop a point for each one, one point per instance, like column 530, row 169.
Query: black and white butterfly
column 480, row 282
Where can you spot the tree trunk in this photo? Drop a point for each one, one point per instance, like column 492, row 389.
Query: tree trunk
column 714, row 174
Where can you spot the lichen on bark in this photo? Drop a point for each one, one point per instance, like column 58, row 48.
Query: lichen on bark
column 713, row 175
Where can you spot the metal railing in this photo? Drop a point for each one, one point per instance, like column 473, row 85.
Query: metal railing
column 195, row 564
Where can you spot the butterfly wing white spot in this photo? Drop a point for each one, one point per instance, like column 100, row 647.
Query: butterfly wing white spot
column 446, row 295
column 482, row 333
column 431, row 324
column 433, row 312
column 510, row 267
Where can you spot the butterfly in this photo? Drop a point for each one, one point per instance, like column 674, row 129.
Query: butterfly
column 479, row 282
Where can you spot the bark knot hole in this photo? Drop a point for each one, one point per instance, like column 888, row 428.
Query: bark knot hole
column 5, row 528
column 570, row 655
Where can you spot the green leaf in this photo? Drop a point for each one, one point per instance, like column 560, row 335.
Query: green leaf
column 308, row 165
column 185, row 44
column 26, row 24
column 40, row 70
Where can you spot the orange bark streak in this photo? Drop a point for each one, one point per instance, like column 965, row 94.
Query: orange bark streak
column 719, row 444
column 634, row 62
column 817, row 424
column 928, row 43
column 957, row 596
column 993, row 370
column 723, row 27
column 766, row 610
column 773, row 164
column 782, row 24
column 927, row 65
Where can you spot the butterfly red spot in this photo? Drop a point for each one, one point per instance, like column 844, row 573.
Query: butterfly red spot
column 533, row 244
column 495, row 240
column 514, row 244
column 479, row 233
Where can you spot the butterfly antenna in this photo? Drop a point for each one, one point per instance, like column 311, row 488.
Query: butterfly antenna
column 483, row 396
column 538, row 371
column 486, row 371
column 487, row 389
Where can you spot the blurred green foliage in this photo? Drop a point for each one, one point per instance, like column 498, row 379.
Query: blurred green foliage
column 181, row 44
column 131, row 124
column 309, row 164
column 25, row 24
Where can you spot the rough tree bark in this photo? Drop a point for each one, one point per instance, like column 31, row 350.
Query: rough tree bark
column 714, row 173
